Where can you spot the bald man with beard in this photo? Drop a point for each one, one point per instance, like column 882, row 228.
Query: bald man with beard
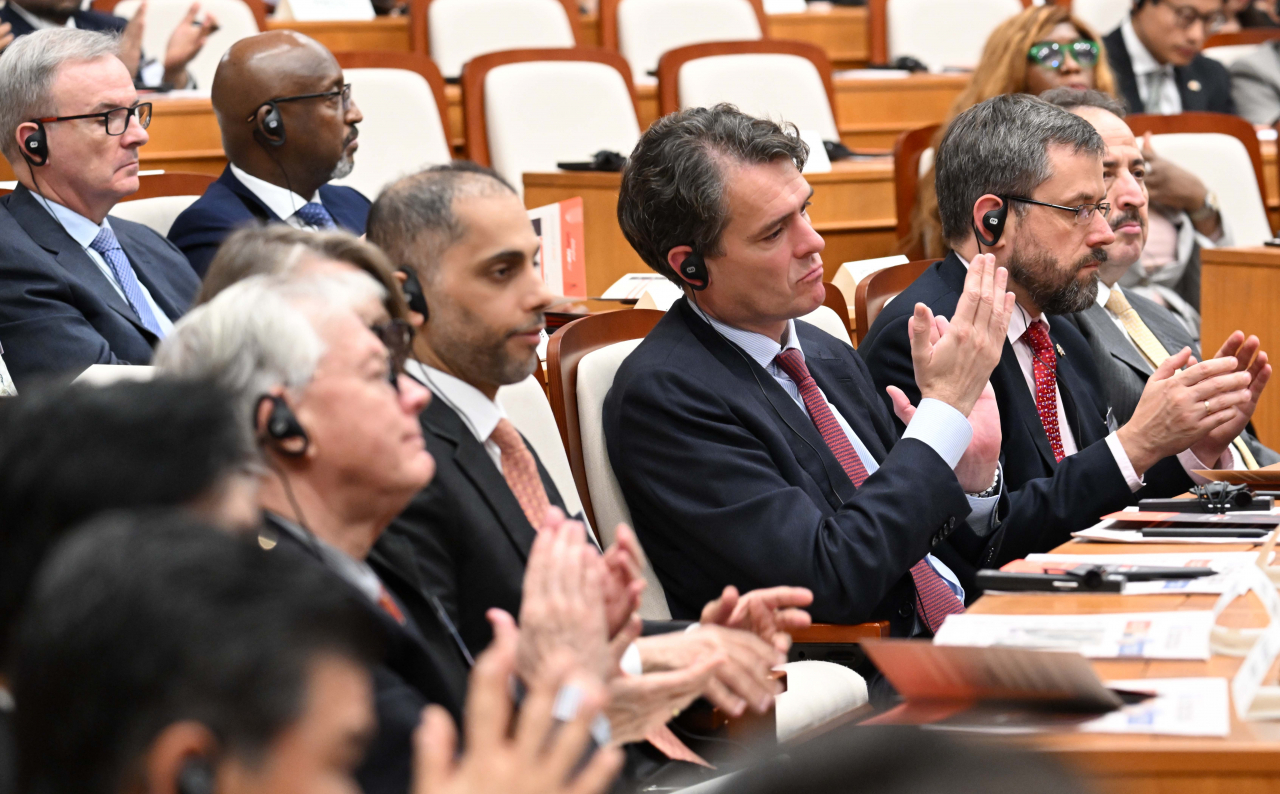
column 288, row 127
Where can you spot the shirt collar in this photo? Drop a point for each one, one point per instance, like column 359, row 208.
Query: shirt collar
column 1104, row 293
column 760, row 347
column 282, row 201
column 1140, row 57
column 81, row 229
column 480, row 414
column 356, row 573
column 1020, row 319
column 39, row 23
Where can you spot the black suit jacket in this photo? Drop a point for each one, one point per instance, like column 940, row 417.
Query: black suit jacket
column 421, row 665
column 1047, row 500
column 1203, row 84
column 227, row 205
column 85, row 20
column 58, row 312
column 729, row 481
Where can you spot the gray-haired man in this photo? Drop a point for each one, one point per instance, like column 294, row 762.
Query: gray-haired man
column 1023, row 180
column 79, row 288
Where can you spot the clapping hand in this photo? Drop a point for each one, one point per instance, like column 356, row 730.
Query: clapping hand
column 185, row 44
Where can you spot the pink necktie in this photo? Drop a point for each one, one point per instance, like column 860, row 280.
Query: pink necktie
column 520, row 471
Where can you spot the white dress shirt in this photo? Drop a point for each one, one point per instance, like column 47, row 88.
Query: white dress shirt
column 1145, row 66
column 83, row 231
column 150, row 72
column 480, row 414
column 282, row 201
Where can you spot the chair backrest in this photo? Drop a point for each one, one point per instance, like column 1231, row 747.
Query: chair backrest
column 642, row 30
column 1103, row 16
column 236, row 20
column 529, row 409
column 257, row 7
column 875, row 290
column 161, row 198
column 459, row 30
column 788, row 80
column 907, row 152
column 834, row 300
column 526, row 110
column 1228, row 54
column 1223, row 151
column 939, row 33
column 405, row 116
column 829, row 320
column 171, row 183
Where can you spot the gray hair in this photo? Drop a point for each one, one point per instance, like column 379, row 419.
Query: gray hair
column 1001, row 147
column 27, row 72
column 261, row 333
column 413, row 219
column 1072, row 98
column 673, row 186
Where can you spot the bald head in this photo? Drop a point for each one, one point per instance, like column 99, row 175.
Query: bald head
column 273, row 64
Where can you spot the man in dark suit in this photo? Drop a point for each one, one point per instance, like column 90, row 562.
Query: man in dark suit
column 22, row 17
column 78, row 288
column 1157, row 60
column 1121, row 325
column 288, row 127
column 749, row 447
column 1029, row 175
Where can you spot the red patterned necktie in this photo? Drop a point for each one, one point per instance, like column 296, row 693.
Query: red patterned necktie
column 520, row 471
column 935, row 598
column 1044, row 367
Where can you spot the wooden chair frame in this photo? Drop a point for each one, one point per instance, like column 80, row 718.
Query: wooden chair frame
column 875, row 290
column 878, row 28
column 171, row 183
column 907, row 151
column 672, row 60
column 409, row 62
column 834, row 300
column 609, row 22
column 570, row 10
column 258, row 8
column 1250, row 36
column 1202, row 122
column 474, row 73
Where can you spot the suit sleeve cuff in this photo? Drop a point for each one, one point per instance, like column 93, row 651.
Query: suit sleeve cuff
column 1190, row 462
column 1130, row 474
column 630, row 662
column 943, row 428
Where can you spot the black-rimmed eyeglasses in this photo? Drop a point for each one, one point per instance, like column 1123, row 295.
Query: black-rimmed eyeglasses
column 344, row 92
column 1083, row 212
column 397, row 336
column 116, row 120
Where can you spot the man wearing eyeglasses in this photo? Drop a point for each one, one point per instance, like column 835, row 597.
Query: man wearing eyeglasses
column 1022, row 180
column 1157, row 60
column 77, row 287
column 288, row 127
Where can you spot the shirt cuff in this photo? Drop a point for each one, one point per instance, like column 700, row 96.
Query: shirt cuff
column 1126, row 466
column 943, row 428
column 1190, row 462
column 981, row 514
column 630, row 662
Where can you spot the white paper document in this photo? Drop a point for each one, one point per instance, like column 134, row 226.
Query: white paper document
column 1181, row 707
column 1224, row 562
column 633, row 285
column 1126, row 635
column 1100, row 534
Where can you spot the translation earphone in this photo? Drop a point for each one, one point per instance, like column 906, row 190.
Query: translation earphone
column 35, row 150
column 196, row 777
column 694, row 271
column 282, row 426
column 412, row 289
column 271, row 126
column 992, row 226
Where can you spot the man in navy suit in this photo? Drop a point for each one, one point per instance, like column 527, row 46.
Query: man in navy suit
column 1156, row 56
column 750, row 447
column 288, row 127
column 1023, row 180
column 76, row 287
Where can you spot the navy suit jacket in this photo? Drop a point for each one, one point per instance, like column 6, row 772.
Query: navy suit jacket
column 58, row 312
column 1203, row 84
column 1047, row 500
column 85, row 20
column 729, row 481
column 228, row 204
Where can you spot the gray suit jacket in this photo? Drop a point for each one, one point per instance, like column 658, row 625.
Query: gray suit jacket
column 1255, row 85
column 1125, row 371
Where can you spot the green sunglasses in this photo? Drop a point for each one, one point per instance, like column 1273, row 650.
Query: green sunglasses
column 1052, row 54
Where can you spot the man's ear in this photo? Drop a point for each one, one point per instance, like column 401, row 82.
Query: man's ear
column 176, row 748
column 990, row 218
column 676, row 259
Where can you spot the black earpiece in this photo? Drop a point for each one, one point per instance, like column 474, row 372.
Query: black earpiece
column 694, row 271
column 196, row 777
column 993, row 225
column 412, row 289
column 35, row 150
column 271, row 125
column 282, row 426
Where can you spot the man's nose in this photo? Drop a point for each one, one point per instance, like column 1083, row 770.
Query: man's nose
column 810, row 241
column 1100, row 231
column 353, row 114
column 1127, row 193
column 413, row 395
column 134, row 134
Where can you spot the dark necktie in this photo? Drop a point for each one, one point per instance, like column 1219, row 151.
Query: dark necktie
column 315, row 214
column 1044, row 365
column 935, row 597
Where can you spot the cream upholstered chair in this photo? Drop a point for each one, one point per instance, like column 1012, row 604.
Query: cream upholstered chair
column 943, row 33
column 107, row 374
column 1103, row 16
column 825, row 318
column 459, row 30
column 526, row 110
column 1229, row 53
column 157, row 214
column 642, row 30
column 784, row 80
column 388, row 95
column 235, row 21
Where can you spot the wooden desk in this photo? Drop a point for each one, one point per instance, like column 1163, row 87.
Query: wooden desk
column 1248, row 760
column 873, row 112
column 1271, row 178
column 385, row 34
column 1238, row 289
column 184, row 136
column 852, row 209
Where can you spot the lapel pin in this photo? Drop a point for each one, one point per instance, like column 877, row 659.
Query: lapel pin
column 1061, row 353
column 1194, row 85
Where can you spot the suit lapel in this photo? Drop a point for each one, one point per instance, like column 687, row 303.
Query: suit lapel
column 838, row 388
column 1191, row 100
column 340, row 210
column 1122, row 66
column 1115, row 341
column 142, row 268
column 18, row 25
column 1009, row 378
column 250, row 199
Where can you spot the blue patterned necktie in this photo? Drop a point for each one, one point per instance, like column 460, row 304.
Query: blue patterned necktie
column 106, row 245
column 314, row 214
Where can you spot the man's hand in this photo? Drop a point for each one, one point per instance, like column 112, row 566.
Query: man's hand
column 1179, row 408
column 954, row 360
column 6, row 35
column 562, row 606
column 1249, row 358
column 131, row 40
column 185, row 44
column 624, row 580
column 977, row 467
column 745, row 679
column 770, row 613
column 541, row 755
column 639, row 703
